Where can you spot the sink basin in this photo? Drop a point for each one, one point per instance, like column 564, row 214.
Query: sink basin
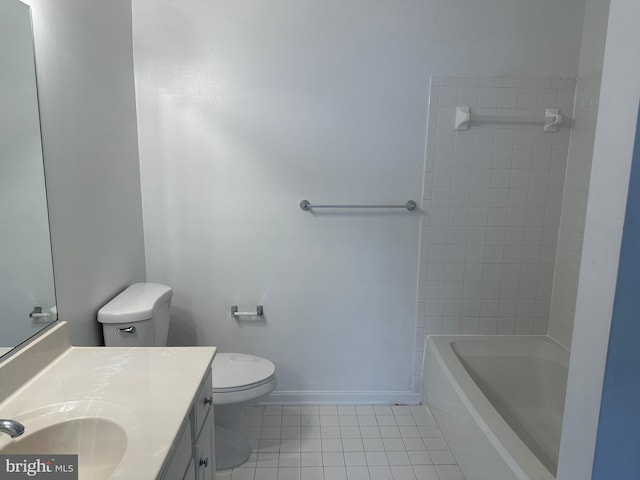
column 93, row 430
column 100, row 444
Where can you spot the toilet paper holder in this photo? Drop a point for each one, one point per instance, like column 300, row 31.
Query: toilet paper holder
column 258, row 313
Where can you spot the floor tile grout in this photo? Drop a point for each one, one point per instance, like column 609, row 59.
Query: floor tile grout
column 344, row 442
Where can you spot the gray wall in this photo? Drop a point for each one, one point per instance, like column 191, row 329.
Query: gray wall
column 85, row 82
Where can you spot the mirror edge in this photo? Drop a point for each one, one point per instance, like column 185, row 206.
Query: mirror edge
column 16, row 348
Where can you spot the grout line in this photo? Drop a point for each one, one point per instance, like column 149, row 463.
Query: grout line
column 373, row 451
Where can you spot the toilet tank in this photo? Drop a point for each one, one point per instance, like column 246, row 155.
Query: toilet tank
column 137, row 317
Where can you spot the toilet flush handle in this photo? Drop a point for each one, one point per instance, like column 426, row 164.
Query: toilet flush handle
column 130, row 329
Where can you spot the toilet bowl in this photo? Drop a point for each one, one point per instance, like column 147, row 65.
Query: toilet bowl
column 239, row 381
column 139, row 317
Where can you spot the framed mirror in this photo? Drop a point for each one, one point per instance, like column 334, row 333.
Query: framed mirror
column 27, row 295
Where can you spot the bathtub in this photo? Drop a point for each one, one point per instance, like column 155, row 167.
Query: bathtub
column 498, row 401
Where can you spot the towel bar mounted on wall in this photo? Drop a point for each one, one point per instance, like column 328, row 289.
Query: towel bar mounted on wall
column 551, row 122
column 409, row 205
column 236, row 314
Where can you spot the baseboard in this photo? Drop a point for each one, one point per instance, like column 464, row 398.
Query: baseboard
column 304, row 397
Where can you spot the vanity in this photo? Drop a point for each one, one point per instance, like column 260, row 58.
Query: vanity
column 143, row 413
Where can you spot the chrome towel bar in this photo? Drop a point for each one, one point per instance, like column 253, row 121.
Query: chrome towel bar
column 306, row 205
column 258, row 313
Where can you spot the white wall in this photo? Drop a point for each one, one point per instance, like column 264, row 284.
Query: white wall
column 608, row 188
column 574, row 207
column 247, row 108
column 85, row 84
column 499, row 37
column 576, row 188
column 594, row 32
column 26, row 276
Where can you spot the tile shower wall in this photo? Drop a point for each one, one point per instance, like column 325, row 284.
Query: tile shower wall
column 494, row 195
column 574, row 209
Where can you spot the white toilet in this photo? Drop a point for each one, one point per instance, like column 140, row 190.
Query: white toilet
column 139, row 317
column 239, row 381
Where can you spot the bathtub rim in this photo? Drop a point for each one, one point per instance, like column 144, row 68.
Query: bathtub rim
column 519, row 458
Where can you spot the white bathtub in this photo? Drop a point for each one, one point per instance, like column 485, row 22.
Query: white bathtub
column 499, row 402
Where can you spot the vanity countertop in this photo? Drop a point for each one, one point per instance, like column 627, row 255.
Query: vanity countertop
column 153, row 388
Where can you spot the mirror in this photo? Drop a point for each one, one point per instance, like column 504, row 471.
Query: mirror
column 26, row 272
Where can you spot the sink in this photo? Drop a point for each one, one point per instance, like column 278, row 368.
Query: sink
column 103, row 435
column 100, row 444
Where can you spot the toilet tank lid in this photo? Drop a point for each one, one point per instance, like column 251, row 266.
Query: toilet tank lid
column 136, row 303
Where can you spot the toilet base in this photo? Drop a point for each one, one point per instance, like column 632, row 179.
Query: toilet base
column 232, row 444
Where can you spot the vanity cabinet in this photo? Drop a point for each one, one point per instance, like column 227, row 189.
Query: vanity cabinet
column 193, row 457
column 201, row 418
column 182, row 454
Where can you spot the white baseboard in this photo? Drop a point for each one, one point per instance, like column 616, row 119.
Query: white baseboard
column 304, row 397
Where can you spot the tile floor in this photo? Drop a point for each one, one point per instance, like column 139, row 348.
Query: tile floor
column 344, row 443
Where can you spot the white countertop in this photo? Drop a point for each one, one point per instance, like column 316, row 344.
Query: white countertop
column 154, row 387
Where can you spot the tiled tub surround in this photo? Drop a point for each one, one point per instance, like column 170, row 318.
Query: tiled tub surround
column 574, row 209
column 344, row 443
column 493, row 195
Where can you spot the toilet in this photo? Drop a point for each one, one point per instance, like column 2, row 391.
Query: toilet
column 239, row 381
column 139, row 317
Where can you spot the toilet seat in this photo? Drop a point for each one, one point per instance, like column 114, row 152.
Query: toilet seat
column 236, row 372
